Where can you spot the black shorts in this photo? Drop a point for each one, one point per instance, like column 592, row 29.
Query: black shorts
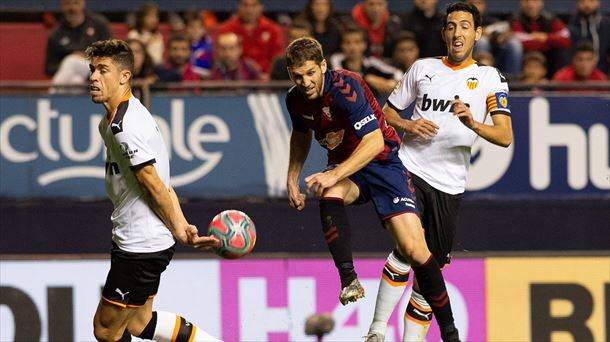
column 438, row 213
column 134, row 277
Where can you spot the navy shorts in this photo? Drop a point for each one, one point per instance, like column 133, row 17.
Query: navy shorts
column 387, row 184
column 134, row 277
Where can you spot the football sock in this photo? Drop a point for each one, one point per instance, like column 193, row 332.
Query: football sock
column 335, row 227
column 417, row 318
column 166, row 327
column 432, row 287
column 391, row 287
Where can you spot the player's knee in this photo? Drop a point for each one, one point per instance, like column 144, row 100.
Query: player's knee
column 105, row 334
column 413, row 250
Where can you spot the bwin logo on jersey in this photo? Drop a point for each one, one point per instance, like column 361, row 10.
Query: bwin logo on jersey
column 358, row 125
column 437, row 105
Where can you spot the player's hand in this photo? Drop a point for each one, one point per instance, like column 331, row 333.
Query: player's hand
column 462, row 112
column 201, row 242
column 320, row 181
column 295, row 197
column 181, row 233
column 422, row 128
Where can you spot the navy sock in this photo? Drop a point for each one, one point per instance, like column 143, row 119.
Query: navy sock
column 337, row 233
column 149, row 331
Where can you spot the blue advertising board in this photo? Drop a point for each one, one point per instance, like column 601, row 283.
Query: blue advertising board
column 233, row 146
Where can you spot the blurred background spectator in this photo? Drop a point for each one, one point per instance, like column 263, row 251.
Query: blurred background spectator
column 583, row 66
column 381, row 27
column 147, row 30
column 178, row 66
column 426, row 22
column 298, row 28
column 405, row 51
column 380, row 76
column 484, row 58
column 542, row 31
column 326, row 29
column 230, row 64
column 143, row 66
column 534, row 69
column 77, row 29
column 498, row 40
column 261, row 38
column 589, row 24
column 201, row 43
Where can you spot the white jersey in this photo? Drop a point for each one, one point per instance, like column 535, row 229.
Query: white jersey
column 133, row 140
column 433, row 83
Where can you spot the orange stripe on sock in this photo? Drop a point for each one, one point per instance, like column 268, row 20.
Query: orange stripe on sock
column 394, row 270
column 392, row 282
column 413, row 319
column 176, row 329
column 193, row 333
column 418, row 307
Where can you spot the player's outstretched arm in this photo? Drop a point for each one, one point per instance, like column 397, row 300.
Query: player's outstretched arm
column 160, row 201
column 300, row 143
column 422, row 128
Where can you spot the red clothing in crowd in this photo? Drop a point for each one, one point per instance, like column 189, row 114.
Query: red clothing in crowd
column 568, row 74
column 381, row 38
column 558, row 33
column 262, row 44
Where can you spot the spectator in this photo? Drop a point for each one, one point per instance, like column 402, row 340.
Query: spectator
column 326, row 29
column 299, row 28
column 77, row 29
column 405, row 52
column 484, row 58
column 230, row 64
column 147, row 30
column 201, row 44
column 261, row 38
column 178, row 66
column 498, row 40
column 583, row 66
column 143, row 66
column 534, row 68
column 379, row 76
column 382, row 28
column 426, row 22
column 589, row 24
column 543, row 32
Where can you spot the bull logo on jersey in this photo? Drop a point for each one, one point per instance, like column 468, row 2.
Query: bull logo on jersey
column 333, row 139
column 326, row 112
column 472, row 83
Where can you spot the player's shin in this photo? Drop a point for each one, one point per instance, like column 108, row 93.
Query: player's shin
column 432, row 286
column 337, row 233
column 391, row 287
column 167, row 326
column 418, row 316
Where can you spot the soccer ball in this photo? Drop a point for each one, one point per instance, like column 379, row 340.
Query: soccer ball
column 236, row 232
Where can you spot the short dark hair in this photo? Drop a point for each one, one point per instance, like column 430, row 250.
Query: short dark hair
column 117, row 50
column 463, row 7
column 350, row 28
column 584, row 46
column 302, row 50
column 179, row 37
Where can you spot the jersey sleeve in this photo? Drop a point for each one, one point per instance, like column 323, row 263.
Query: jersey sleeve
column 297, row 122
column 134, row 144
column 350, row 96
column 497, row 95
column 405, row 92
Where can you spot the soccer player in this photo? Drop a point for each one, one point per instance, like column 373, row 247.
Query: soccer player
column 339, row 109
column 147, row 218
column 453, row 96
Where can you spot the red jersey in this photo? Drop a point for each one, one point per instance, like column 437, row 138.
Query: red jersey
column 262, row 44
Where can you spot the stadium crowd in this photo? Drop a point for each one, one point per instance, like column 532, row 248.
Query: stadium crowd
column 532, row 45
